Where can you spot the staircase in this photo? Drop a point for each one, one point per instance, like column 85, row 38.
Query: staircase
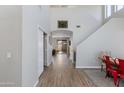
column 88, row 28
column 103, row 39
column 119, row 14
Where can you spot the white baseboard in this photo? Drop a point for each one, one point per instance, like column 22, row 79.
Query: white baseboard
column 36, row 83
column 88, row 67
column 8, row 84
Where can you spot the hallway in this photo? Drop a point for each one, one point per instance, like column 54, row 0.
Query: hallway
column 61, row 73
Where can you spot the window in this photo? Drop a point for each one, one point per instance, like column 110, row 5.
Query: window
column 110, row 9
column 115, row 8
column 105, row 12
column 119, row 7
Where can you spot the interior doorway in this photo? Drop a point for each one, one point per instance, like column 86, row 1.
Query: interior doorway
column 62, row 43
column 62, row 46
column 42, row 51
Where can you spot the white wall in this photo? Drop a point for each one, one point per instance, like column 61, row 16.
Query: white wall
column 45, row 25
column 88, row 17
column 108, row 38
column 19, row 43
column 31, row 20
column 45, row 18
column 10, row 45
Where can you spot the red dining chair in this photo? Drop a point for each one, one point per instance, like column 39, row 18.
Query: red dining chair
column 110, row 70
column 108, row 65
column 120, row 72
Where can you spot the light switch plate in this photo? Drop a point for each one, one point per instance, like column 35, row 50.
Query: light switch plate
column 9, row 55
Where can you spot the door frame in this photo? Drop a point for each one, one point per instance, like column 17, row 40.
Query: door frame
column 45, row 48
column 42, row 50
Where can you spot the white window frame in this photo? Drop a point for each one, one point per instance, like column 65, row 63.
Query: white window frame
column 119, row 7
column 113, row 9
column 108, row 12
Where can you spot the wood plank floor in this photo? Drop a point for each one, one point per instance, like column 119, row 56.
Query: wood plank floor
column 61, row 73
